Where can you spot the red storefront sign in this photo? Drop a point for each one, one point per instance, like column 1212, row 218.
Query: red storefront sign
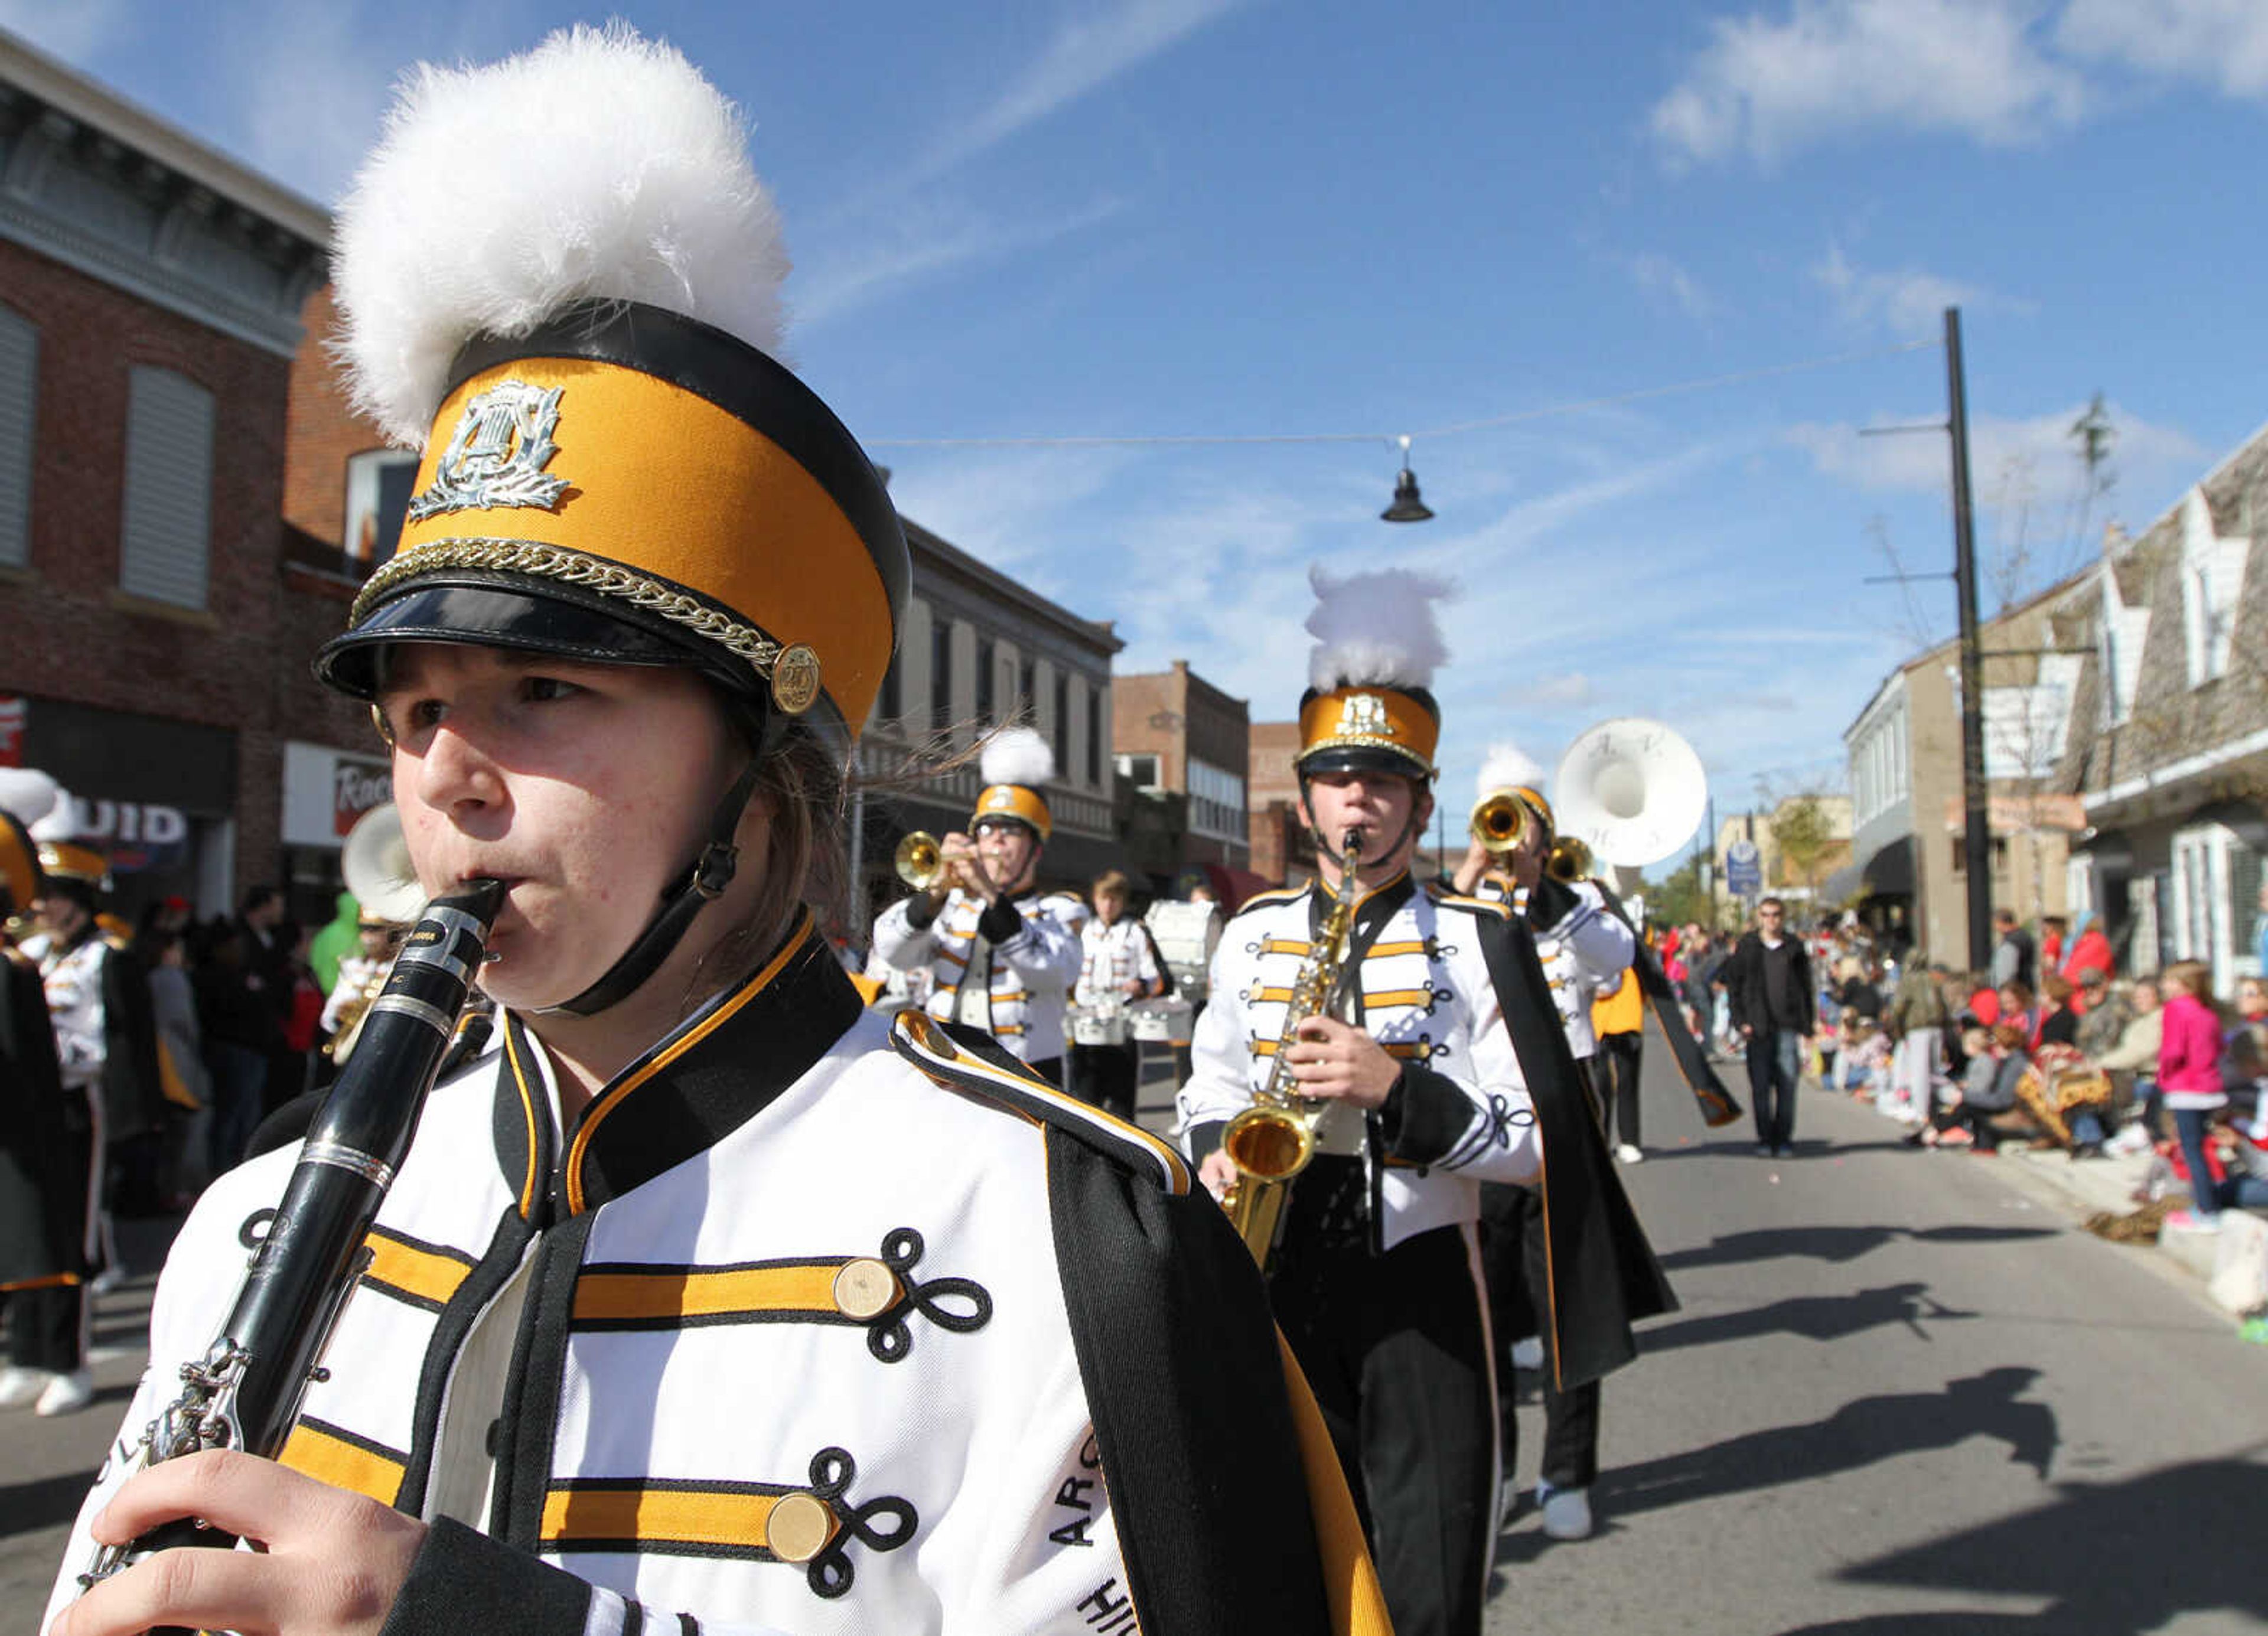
column 356, row 788
column 13, row 713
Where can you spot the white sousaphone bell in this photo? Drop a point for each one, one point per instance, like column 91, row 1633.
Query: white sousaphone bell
column 376, row 864
column 1632, row 789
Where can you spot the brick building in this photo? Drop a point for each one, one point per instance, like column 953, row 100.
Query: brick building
column 151, row 292
column 1181, row 747
column 1278, row 844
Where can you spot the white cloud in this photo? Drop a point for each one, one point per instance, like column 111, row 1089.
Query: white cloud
column 2223, row 43
column 1909, row 303
column 1569, row 689
column 1086, row 52
column 916, row 245
column 311, row 87
column 1919, row 462
column 1659, row 275
column 1765, row 86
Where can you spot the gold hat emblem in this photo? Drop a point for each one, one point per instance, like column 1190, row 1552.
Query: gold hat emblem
column 795, row 679
column 1365, row 714
column 497, row 455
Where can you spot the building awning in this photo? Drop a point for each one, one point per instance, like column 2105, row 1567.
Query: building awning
column 1888, row 871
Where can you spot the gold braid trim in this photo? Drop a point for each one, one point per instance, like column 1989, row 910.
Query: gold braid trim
column 549, row 561
column 1365, row 740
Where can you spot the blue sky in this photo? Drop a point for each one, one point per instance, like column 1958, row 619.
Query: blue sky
column 1246, row 219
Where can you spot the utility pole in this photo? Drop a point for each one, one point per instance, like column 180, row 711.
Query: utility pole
column 1976, row 831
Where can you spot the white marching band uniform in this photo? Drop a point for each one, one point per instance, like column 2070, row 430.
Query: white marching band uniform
column 1020, row 995
column 785, row 1343
column 1113, row 953
column 1427, row 998
column 1584, row 953
column 72, row 978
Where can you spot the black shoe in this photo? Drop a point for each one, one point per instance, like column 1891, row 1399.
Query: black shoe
column 2087, row 1150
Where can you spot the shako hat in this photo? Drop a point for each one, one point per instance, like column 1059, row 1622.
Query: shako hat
column 1017, row 765
column 1507, row 768
column 26, row 797
column 1367, row 707
column 560, row 278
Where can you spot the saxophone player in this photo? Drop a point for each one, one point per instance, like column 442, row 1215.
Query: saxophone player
column 1376, row 1275
column 704, row 1298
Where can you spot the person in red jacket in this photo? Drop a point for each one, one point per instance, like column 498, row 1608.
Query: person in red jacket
column 2089, row 948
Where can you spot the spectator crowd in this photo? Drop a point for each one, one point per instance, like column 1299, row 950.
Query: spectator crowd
column 2049, row 1046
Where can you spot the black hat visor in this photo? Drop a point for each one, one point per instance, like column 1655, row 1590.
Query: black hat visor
column 524, row 616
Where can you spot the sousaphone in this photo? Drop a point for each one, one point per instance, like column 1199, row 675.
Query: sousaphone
column 1632, row 789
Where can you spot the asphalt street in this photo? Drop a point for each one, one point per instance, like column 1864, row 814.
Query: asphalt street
column 1904, row 1394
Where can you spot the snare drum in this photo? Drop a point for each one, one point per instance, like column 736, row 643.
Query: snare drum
column 1098, row 1025
column 1170, row 1021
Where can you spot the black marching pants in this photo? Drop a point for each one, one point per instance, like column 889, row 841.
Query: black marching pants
column 1395, row 1349
column 47, row 1327
column 1104, row 1077
column 1512, row 1251
column 1618, row 1063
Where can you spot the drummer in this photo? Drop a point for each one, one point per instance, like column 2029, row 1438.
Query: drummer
column 1119, row 966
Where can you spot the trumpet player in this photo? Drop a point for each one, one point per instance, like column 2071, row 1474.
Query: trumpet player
column 1375, row 1277
column 1585, row 951
column 1002, row 956
column 705, row 1298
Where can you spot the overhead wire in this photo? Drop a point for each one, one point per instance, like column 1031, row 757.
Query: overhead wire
column 1453, row 429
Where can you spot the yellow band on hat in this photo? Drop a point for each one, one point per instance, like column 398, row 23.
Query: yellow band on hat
column 683, row 496
column 1537, row 805
column 66, row 861
column 1013, row 800
column 1369, row 718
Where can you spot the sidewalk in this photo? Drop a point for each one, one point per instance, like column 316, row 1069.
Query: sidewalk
column 2111, row 1184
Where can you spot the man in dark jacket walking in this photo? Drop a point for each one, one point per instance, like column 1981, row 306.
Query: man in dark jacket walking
column 1775, row 1008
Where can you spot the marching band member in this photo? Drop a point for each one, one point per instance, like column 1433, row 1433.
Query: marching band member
column 1376, row 1276
column 1585, row 950
column 1118, row 964
column 46, row 1145
column 1002, row 955
column 704, row 1298
column 107, row 1042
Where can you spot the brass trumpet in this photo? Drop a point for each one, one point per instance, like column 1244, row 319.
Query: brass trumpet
column 1570, row 861
column 1500, row 822
column 920, row 860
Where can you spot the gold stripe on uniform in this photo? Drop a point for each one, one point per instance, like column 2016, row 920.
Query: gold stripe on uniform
column 1399, row 997
column 1383, row 951
column 732, row 1518
column 673, row 1293
column 414, row 1270
column 326, row 1455
column 1282, row 946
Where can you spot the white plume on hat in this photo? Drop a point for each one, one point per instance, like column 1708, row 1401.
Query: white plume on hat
column 1017, row 755
column 1509, row 767
column 601, row 164
column 1376, row 627
column 27, row 796
column 60, row 821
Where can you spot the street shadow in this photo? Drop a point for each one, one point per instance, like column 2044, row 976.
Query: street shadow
column 1863, row 1433
column 2107, row 1559
column 41, row 1502
column 1815, row 1317
column 1833, row 1243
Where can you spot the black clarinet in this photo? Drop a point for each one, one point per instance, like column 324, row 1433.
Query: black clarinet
column 244, row 1392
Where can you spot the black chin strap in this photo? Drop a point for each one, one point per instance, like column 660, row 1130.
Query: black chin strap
column 712, row 871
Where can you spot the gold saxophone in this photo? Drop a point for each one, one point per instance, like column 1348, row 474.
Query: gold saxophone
column 1271, row 1142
